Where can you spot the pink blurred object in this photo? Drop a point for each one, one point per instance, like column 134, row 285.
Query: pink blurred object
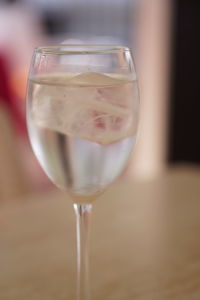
column 20, row 32
column 7, row 98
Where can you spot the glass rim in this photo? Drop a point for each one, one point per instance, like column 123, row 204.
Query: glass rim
column 81, row 49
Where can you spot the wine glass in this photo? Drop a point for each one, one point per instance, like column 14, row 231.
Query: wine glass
column 82, row 118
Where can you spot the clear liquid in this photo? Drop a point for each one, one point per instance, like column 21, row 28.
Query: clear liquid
column 82, row 129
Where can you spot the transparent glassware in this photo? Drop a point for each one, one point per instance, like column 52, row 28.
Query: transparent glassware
column 82, row 119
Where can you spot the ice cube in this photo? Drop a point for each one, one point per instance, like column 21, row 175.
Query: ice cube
column 91, row 106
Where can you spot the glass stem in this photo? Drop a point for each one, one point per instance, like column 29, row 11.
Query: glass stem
column 83, row 216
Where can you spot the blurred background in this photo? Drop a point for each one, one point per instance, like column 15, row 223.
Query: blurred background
column 164, row 39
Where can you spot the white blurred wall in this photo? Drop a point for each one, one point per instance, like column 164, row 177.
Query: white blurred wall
column 152, row 28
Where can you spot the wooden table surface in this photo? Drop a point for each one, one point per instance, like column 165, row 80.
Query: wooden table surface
column 145, row 243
